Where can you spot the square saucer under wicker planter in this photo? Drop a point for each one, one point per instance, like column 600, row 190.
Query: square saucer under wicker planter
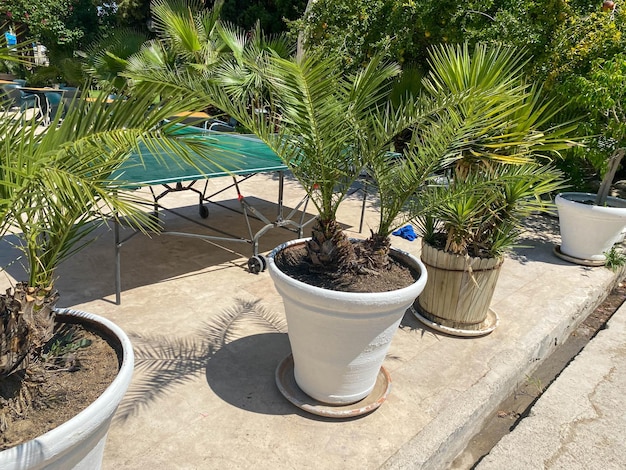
column 458, row 293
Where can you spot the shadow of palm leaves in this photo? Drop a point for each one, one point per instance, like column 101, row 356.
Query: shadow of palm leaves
column 162, row 363
column 540, row 233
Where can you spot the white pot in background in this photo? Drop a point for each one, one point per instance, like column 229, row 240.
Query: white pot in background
column 78, row 443
column 589, row 231
column 339, row 339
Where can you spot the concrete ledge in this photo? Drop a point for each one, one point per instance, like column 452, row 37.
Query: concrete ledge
column 579, row 422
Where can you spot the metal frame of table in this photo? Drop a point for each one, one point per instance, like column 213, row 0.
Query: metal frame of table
column 176, row 181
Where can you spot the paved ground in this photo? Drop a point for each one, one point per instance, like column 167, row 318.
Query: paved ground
column 579, row 423
column 208, row 336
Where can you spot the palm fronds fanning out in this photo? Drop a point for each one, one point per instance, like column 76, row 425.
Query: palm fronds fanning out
column 57, row 185
column 496, row 158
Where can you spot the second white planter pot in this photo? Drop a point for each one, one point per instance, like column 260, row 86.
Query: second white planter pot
column 589, row 231
column 339, row 339
column 78, row 444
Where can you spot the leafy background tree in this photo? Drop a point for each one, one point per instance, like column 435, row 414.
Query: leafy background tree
column 405, row 29
column 270, row 13
column 586, row 70
column 62, row 26
column 244, row 13
column 133, row 14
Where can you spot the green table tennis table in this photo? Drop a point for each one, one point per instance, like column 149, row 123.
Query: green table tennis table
column 235, row 155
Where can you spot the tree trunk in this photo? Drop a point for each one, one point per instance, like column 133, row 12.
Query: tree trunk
column 607, row 181
column 26, row 325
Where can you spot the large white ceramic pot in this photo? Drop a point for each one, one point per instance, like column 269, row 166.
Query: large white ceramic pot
column 339, row 339
column 589, row 231
column 78, row 443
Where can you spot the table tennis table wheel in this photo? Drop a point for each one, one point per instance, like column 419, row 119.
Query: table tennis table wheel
column 257, row 264
column 204, row 211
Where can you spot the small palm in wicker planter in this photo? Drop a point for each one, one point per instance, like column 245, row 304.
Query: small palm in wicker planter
column 495, row 177
column 467, row 287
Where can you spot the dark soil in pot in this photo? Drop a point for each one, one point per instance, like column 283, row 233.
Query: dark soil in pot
column 55, row 391
column 292, row 261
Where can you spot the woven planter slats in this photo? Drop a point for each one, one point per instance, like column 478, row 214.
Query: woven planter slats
column 459, row 288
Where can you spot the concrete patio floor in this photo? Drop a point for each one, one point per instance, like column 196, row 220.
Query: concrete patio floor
column 209, row 335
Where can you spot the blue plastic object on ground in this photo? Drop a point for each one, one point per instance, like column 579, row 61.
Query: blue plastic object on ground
column 406, row 232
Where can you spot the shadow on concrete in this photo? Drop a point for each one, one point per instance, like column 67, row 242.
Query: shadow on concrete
column 154, row 258
column 161, row 364
column 242, row 373
column 539, row 237
column 239, row 366
column 12, row 262
column 412, row 324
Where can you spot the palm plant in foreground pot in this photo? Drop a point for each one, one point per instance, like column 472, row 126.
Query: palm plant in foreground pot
column 343, row 298
column 498, row 172
column 55, row 190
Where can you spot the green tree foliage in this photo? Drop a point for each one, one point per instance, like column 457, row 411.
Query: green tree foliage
column 133, row 14
column 244, row 13
column 529, row 24
column 61, row 25
column 587, row 69
column 271, row 14
column 356, row 29
column 405, row 29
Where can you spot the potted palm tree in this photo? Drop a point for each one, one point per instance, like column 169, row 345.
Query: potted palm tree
column 497, row 172
column 590, row 224
column 343, row 298
column 328, row 128
column 55, row 190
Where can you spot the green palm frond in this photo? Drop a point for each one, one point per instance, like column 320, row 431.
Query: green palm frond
column 495, row 68
column 174, row 20
column 108, row 57
column 495, row 158
column 57, row 186
column 475, row 114
column 152, row 55
column 482, row 213
column 189, row 31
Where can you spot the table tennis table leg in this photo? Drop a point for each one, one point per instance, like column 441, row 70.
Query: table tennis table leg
column 118, row 261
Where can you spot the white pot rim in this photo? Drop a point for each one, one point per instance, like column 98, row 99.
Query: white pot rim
column 574, row 199
column 367, row 297
column 58, row 440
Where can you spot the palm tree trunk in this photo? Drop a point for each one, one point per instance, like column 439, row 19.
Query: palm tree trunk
column 26, row 325
column 329, row 247
column 300, row 45
column 607, row 181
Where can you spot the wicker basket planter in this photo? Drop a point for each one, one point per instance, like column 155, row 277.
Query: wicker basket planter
column 458, row 292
